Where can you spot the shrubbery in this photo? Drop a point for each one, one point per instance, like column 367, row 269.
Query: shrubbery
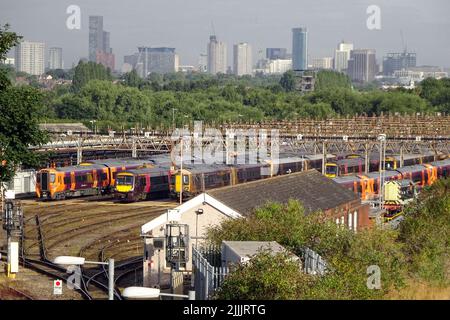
column 419, row 249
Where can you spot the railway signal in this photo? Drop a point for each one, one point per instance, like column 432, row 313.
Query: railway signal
column 13, row 224
column 57, row 287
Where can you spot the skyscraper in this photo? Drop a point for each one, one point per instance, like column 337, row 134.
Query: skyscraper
column 95, row 36
column 203, row 63
column 30, row 57
column 398, row 61
column 242, row 59
column 153, row 60
column 99, row 43
column 299, row 49
column 55, row 59
column 362, row 66
column 342, row 55
column 217, row 56
column 276, row 53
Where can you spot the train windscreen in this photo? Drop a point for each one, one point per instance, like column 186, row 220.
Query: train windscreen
column 124, row 180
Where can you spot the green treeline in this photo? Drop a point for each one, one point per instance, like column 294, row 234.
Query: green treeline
column 161, row 99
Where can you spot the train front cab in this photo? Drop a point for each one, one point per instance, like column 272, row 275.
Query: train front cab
column 176, row 183
column 331, row 170
column 49, row 184
column 124, row 185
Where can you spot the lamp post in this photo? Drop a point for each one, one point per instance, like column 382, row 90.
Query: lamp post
column 79, row 261
column 152, row 293
column 93, row 126
column 382, row 139
column 197, row 213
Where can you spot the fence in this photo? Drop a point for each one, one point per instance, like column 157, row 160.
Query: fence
column 313, row 263
column 208, row 274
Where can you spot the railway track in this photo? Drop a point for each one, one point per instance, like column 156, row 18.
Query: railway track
column 97, row 231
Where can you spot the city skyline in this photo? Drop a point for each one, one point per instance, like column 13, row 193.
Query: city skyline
column 258, row 23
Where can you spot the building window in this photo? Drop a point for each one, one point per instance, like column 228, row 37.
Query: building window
column 342, row 221
column 355, row 220
column 337, row 221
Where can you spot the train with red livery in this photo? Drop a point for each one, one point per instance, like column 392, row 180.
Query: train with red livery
column 143, row 183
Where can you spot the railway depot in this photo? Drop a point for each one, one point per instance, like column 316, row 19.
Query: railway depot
column 121, row 209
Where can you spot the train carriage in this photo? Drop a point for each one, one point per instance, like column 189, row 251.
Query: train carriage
column 442, row 168
column 142, row 184
column 89, row 178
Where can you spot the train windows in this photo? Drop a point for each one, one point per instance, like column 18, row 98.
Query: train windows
column 390, row 165
column 331, row 169
column 125, row 180
column 52, row 178
column 185, row 179
column 142, row 181
column 80, row 178
column 172, row 179
column 89, row 178
column 102, row 176
column 67, row 180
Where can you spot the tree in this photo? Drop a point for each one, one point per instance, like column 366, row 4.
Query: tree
column 331, row 79
column 85, row 72
column 19, row 108
column 8, row 40
column 287, row 81
column 266, row 276
column 347, row 255
column 132, row 79
column 426, row 233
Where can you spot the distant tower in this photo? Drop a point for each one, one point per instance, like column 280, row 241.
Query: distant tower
column 362, row 66
column 55, row 60
column 30, row 57
column 300, row 49
column 95, row 36
column 99, row 43
column 242, row 62
column 342, row 55
column 217, row 56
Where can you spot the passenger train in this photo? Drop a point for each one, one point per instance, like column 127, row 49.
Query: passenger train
column 90, row 178
column 145, row 179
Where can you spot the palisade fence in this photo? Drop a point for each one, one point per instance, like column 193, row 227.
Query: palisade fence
column 313, row 263
column 209, row 273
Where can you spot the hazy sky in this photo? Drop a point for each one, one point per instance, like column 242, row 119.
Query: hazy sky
column 187, row 24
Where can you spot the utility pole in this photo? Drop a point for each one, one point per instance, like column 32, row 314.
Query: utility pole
column 382, row 139
column 181, row 171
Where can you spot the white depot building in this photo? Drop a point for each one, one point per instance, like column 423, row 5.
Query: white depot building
column 30, row 57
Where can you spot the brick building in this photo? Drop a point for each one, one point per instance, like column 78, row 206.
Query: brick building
column 311, row 188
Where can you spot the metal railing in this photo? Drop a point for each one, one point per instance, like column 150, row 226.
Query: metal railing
column 207, row 277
